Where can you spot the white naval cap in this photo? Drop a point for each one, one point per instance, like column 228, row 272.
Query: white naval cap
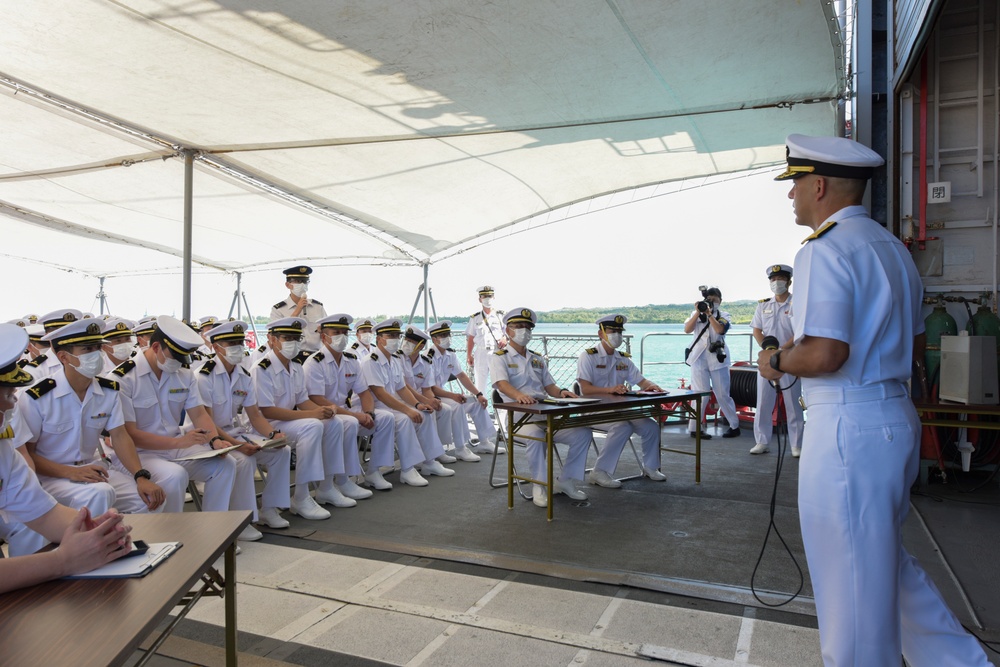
column 485, row 290
column 19, row 321
column 391, row 325
column 441, row 328
column 35, row 332
column 336, row 321
column 775, row 269
column 81, row 332
column 612, row 321
column 59, row 318
column 207, row 321
column 828, row 156
column 235, row 330
column 145, row 326
column 364, row 323
column 180, row 338
column 287, row 325
column 32, row 318
column 118, row 326
column 520, row 315
column 417, row 335
column 13, row 340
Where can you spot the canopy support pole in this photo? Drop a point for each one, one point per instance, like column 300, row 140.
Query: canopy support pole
column 429, row 307
column 102, row 297
column 188, row 202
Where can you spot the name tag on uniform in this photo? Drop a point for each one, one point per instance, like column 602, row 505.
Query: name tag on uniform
column 511, row 365
column 602, row 365
column 179, row 390
column 767, row 311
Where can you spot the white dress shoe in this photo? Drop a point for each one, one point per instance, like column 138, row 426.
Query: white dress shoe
column 412, row 477
column 446, row 458
column 538, row 495
column 308, row 509
column 269, row 517
column 375, row 480
column 238, row 550
column 488, row 446
column 250, row 534
column 352, row 490
column 464, row 454
column 435, row 468
column 654, row 475
column 571, row 491
column 334, row 497
column 602, row 478
column 759, row 448
column 796, row 452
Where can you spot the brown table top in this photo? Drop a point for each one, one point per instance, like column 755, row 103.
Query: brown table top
column 605, row 403
column 102, row 621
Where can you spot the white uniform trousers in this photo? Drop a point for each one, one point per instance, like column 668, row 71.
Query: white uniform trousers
column 766, row 396
column 169, row 476
column 575, row 462
column 427, row 436
column 218, row 475
column 276, row 493
column 450, row 420
column 349, row 436
column 485, row 429
column 382, row 441
column 408, row 443
column 700, row 376
column 481, row 369
column 319, row 447
column 873, row 600
column 618, row 435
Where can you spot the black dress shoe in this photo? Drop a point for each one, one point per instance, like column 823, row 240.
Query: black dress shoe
column 704, row 436
column 732, row 433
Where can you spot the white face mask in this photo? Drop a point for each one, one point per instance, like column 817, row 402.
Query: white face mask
column 169, row 365
column 234, row 355
column 365, row 338
column 299, row 289
column 338, row 342
column 122, row 350
column 290, row 348
column 487, row 302
column 392, row 345
column 444, row 343
column 407, row 347
column 90, row 363
column 779, row 287
column 614, row 338
column 522, row 336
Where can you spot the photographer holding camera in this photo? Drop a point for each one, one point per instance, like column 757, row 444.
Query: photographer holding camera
column 708, row 356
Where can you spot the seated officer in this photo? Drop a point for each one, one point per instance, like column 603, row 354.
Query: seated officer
column 299, row 305
column 522, row 376
column 446, row 368
column 85, row 543
column 418, row 374
column 119, row 343
column 143, row 330
column 317, row 439
column 229, row 396
column 605, row 370
column 45, row 364
column 333, row 376
column 36, row 346
column 364, row 344
column 158, row 396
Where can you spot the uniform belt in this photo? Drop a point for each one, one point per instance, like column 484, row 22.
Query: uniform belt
column 871, row 392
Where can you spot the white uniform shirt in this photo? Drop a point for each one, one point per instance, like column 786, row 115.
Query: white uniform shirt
column 312, row 313
column 43, row 368
column 155, row 405
column 419, row 373
column 774, row 319
column 486, row 330
column 601, row 369
column 226, row 394
column 853, row 280
column 66, row 430
column 385, row 372
column 22, row 498
column 325, row 377
column 446, row 365
column 528, row 374
column 277, row 387
column 699, row 350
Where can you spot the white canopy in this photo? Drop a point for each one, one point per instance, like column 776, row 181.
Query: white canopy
column 346, row 131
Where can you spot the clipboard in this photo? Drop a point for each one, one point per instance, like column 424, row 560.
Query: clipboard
column 570, row 401
column 207, row 453
column 133, row 567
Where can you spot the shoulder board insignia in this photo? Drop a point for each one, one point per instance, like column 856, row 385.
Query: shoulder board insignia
column 450, row 350
column 245, row 370
column 21, row 363
column 42, row 388
column 319, row 356
column 426, row 358
column 430, row 353
column 7, row 433
column 262, row 348
column 301, row 357
column 280, row 304
column 625, row 354
column 374, row 357
column 502, row 350
column 107, row 384
column 820, row 232
column 591, row 350
column 535, row 353
column 264, row 363
column 350, row 356
column 124, row 367
column 764, row 300
column 207, row 367
column 500, row 312
column 474, row 315
column 355, row 346
column 38, row 361
column 318, row 303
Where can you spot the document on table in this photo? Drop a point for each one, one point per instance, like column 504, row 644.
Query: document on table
column 570, row 401
column 207, row 453
column 264, row 443
column 131, row 567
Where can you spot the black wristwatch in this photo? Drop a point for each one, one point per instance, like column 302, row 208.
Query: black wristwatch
column 371, row 414
column 270, row 436
column 212, row 441
column 776, row 361
column 142, row 472
column 479, row 394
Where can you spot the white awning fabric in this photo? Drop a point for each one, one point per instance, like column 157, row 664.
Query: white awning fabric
column 379, row 131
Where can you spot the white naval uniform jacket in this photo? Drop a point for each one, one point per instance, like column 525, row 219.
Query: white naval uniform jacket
column 325, row 377
column 312, row 313
column 699, row 350
column 774, row 318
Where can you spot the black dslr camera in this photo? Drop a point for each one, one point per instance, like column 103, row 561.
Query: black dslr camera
column 719, row 348
column 704, row 307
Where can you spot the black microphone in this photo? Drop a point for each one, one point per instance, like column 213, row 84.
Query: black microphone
column 770, row 343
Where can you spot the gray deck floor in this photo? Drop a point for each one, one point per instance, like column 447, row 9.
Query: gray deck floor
column 447, row 575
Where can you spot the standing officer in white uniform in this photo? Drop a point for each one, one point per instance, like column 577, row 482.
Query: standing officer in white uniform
column 484, row 334
column 158, row 396
column 333, row 376
column 473, row 404
column 230, row 398
column 709, row 360
column 605, row 370
column 522, row 376
column 299, row 305
column 857, row 329
column 773, row 317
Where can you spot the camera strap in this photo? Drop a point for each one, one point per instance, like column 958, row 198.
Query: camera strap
column 707, row 325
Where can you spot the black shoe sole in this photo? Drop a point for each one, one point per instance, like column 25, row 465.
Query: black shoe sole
column 704, row 436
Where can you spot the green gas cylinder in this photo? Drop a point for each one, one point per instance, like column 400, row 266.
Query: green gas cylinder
column 938, row 323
